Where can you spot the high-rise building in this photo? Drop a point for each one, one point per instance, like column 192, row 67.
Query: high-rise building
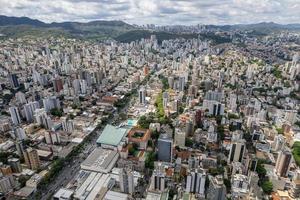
column 212, row 135
column 195, row 182
column 240, row 186
column 179, row 138
column 165, row 148
column 43, row 119
column 181, row 83
column 20, row 134
column 295, row 186
column 142, row 96
column 283, row 163
column 5, row 169
column 193, row 162
column 158, row 181
column 20, row 148
column 15, row 116
column 126, row 181
column 13, row 79
column 232, row 102
column 214, row 107
column 251, row 163
column 67, row 125
column 31, row 158
column 29, row 109
column 214, row 96
column 52, row 137
column 189, row 128
column 198, row 117
column 278, row 143
column 165, row 99
column 291, row 116
column 171, row 82
column 7, row 184
column 15, row 165
column 21, row 98
column 57, row 84
column 50, row 103
column 237, row 151
column 216, row 189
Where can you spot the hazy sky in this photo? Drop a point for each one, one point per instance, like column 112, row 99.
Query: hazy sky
column 161, row 12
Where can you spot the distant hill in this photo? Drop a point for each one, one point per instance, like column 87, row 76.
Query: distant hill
column 121, row 31
column 20, row 26
column 7, row 21
column 264, row 27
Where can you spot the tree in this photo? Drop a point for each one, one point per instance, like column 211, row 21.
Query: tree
column 227, row 183
column 144, row 122
column 149, row 162
column 267, row 187
column 131, row 150
column 279, row 131
column 260, row 169
column 220, row 131
column 189, row 142
column 22, row 180
column 56, row 112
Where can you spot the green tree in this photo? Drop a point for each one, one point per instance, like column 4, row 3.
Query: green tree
column 260, row 169
column 56, row 112
column 189, row 142
column 267, row 187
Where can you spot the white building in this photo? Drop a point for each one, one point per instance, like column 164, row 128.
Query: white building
column 195, row 182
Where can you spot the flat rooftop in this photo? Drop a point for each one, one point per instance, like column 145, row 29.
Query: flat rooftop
column 100, row 160
column 63, row 193
column 111, row 195
column 111, row 135
column 95, row 184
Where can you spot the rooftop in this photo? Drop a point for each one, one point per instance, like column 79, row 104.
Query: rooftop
column 100, row 160
column 111, row 135
column 63, row 194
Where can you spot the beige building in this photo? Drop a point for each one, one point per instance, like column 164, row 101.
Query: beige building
column 31, row 158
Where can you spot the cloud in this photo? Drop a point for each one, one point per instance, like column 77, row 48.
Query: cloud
column 162, row 12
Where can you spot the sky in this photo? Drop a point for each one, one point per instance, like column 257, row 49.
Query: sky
column 159, row 12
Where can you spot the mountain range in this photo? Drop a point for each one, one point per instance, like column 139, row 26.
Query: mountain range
column 119, row 30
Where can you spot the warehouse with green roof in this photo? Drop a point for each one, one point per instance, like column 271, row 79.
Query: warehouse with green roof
column 111, row 137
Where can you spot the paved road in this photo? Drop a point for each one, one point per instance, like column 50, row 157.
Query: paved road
column 71, row 170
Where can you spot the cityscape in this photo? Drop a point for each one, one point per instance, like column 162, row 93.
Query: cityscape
column 152, row 106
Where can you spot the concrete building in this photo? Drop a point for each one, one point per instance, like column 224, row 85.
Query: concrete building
column 100, row 160
column 31, row 158
column 195, row 182
column 216, row 189
column 15, row 115
column 237, row 151
column 52, row 137
column 15, row 165
column 7, row 184
column 63, row 194
column 283, row 163
column 165, row 148
column 111, row 137
column 126, row 181
column 179, row 138
column 142, row 96
column 140, row 137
